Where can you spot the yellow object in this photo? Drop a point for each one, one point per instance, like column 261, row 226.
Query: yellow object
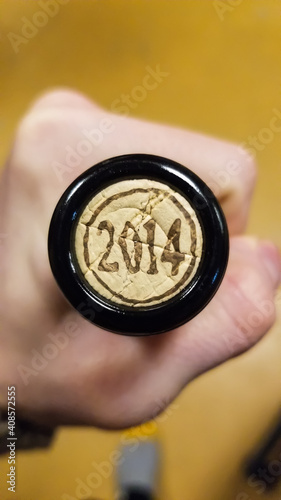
column 222, row 59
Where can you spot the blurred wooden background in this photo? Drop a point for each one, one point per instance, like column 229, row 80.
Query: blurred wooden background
column 223, row 60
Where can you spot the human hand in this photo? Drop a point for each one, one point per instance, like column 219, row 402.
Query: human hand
column 97, row 377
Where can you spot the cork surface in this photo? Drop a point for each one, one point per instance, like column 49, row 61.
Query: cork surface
column 138, row 243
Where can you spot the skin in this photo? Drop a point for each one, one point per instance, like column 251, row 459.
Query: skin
column 100, row 378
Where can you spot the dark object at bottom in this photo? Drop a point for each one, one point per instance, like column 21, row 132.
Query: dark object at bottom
column 261, row 465
column 138, row 494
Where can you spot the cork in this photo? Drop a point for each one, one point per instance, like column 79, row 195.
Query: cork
column 138, row 243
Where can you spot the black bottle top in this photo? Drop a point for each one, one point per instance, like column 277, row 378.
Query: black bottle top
column 138, row 244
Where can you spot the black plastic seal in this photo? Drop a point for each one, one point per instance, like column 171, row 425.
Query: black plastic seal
column 145, row 320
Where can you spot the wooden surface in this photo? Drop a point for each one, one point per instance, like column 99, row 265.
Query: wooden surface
column 224, row 79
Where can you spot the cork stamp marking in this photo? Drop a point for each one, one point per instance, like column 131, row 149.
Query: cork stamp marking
column 138, row 243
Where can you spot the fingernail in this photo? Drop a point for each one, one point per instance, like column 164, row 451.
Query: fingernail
column 272, row 260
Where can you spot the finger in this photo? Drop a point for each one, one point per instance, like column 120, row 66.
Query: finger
column 65, row 133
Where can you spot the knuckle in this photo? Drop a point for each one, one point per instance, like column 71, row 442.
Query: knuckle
column 33, row 140
column 62, row 97
column 248, row 167
column 47, row 134
column 249, row 316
